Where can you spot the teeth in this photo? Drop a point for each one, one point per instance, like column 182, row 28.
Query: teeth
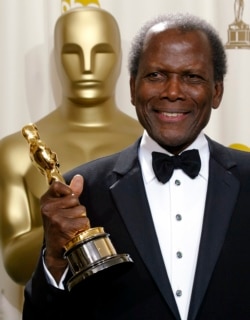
column 168, row 114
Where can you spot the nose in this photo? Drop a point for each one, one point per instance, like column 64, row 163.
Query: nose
column 173, row 88
column 86, row 63
column 87, row 66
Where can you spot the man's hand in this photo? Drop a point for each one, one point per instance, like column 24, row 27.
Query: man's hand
column 63, row 216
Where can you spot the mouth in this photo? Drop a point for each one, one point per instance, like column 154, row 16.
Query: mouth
column 87, row 83
column 172, row 114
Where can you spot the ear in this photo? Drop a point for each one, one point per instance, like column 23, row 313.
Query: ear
column 132, row 90
column 218, row 94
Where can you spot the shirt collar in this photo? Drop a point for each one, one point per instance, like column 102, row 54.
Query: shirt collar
column 148, row 145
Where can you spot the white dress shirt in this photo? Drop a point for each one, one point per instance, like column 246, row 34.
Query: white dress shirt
column 177, row 208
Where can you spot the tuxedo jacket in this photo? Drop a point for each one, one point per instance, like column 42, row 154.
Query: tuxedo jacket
column 115, row 198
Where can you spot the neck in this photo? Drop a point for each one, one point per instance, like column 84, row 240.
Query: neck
column 88, row 114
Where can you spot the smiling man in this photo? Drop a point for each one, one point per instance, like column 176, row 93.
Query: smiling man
column 175, row 200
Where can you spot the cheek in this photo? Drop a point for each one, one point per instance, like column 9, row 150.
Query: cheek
column 104, row 66
column 143, row 117
column 143, row 94
column 71, row 66
column 203, row 101
column 203, row 116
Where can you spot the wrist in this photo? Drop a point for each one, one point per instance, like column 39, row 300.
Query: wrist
column 56, row 266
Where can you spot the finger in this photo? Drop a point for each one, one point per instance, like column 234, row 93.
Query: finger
column 58, row 189
column 83, row 214
column 76, row 184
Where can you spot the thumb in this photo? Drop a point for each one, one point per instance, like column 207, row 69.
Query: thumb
column 76, row 184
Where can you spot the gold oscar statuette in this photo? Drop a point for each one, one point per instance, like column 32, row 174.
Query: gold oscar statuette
column 90, row 251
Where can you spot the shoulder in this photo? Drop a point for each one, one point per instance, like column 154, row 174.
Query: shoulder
column 229, row 157
column 14, row 157
column 13, row 145
column 216, row 147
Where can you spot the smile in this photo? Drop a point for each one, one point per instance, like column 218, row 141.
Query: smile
column 173, row 115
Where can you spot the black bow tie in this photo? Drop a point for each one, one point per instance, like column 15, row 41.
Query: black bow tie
column 189, row 161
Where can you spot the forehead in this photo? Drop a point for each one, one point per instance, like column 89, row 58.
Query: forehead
column 166, row 35
column 87, row 28
column 177, row 50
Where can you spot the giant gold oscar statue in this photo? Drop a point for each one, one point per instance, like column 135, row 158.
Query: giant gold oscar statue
column 86, row 125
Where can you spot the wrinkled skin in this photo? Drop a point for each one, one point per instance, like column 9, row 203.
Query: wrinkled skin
column 174, row 90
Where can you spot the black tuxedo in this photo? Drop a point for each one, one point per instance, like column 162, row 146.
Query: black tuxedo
column 115, row 198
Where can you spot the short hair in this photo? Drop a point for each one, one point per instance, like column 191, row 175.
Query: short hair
column 184, row 22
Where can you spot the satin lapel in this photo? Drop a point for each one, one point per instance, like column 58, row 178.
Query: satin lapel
column 129, row 195
column 223, row 188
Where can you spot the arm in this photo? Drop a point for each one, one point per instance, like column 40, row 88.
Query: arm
column 63, row 217
column 21, row 231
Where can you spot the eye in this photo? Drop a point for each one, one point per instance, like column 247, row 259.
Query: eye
column 71, row 48
column 155, row 76
column 103, row 48
column 193, row 78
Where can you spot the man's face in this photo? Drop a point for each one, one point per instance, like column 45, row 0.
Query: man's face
column 88, row 56
column 174, row 90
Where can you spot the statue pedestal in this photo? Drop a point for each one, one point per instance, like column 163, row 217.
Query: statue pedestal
column 238, row 36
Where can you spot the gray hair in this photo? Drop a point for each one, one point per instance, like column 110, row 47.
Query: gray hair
column 184, row 22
